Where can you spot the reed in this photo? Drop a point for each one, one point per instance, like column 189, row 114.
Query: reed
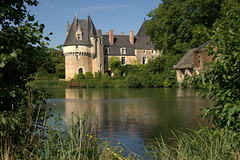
column 203, row 144
column 76, row 141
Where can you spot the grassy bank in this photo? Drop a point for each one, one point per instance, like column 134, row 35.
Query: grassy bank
column 48, row 82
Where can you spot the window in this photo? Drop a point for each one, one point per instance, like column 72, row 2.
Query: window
column 144, row 60
column 123, row 50
column 107, row 50
column 79, row 37
column 76, row 46
column 123, row 60
column 144, row 51
column 105, row 60
column 153, row 51
column 77, row 57
column 79, row 34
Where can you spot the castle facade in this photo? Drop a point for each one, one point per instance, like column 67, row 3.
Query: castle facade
column 86, row 49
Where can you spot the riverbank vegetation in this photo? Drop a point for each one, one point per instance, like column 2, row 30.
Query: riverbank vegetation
column 25, row 131
column 156, row 73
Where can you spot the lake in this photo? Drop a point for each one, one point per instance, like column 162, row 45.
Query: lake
column 132, row 117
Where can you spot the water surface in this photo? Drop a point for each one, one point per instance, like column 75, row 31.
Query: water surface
column 132, row 116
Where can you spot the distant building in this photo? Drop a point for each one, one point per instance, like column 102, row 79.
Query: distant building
column 86, row 49
column 192, row 62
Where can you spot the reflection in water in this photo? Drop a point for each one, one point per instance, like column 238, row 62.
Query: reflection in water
column 133, row 116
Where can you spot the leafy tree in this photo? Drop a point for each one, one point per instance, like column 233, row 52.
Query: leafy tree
column 222, row 77
column 21, row 51
column 162, row 63
column 178, row 25
column 53, row 63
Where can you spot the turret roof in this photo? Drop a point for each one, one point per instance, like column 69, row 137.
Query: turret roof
column 88, row 30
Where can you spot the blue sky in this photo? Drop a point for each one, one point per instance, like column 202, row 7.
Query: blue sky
column 119, row 15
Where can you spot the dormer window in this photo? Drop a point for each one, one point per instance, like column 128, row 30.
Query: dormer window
column 123, row 50
column 79, row 34
column 79, row 37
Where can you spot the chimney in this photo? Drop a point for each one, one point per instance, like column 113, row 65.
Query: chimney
column 131, row 37
column 111, row 37
column 122, row 33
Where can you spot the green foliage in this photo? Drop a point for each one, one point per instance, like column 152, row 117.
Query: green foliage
column 97, row 74
column 177, row 25
column 133, row 81
column 79, row 76
column 88, row 75
column 222, row 76
column 163, row 63
column 115, row 64
column 21, row 52
column 53, row 63
column 203, row 144
column 164, row 79
column 48, row 82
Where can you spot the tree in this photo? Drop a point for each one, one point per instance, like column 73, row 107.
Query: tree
column 222, row 76
column 178, row 25
column 21, row 51
column 162, row 63
column 53, row 63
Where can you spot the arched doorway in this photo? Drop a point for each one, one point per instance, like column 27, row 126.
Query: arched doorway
column 80, row 70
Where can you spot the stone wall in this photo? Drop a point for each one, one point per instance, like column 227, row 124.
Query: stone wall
column 181, row 73
column 73, row 63
column 149, row 54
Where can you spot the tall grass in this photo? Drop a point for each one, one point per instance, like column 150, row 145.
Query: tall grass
column 203, row 144
column 48, row 82
column 75, row 141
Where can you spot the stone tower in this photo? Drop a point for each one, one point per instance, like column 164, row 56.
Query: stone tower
column 83, row 48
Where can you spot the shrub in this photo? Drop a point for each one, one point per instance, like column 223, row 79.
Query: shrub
column 133, row 81
column 79, row 76
column 88, row 75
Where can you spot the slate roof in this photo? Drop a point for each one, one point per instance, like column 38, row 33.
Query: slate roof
column 143, row 41
column 188, row 59
column 119, row 42
column 88, row 30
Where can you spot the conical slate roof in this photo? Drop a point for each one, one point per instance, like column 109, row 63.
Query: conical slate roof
column 87, row 29
column 143, row 41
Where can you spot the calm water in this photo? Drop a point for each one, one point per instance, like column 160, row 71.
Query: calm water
column 132, row 116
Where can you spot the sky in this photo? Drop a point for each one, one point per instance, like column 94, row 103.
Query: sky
column 118, row 15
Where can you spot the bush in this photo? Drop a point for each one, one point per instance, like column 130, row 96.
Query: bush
column 79, row 76
column 88, row 75
column 97, row 74
column 133, row 81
